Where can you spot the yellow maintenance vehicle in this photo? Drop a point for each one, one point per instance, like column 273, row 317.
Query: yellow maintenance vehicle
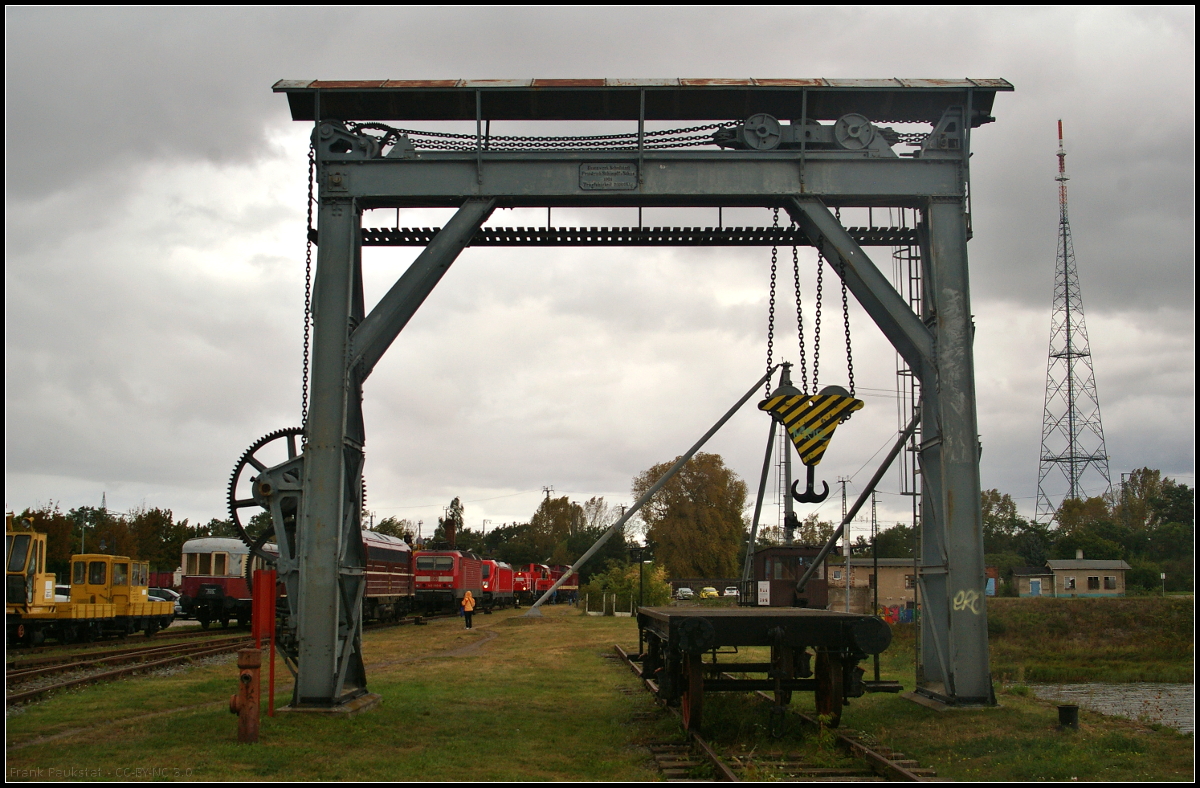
column 108, row 595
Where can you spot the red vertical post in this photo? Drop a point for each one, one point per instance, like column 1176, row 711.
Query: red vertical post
column 262, row 623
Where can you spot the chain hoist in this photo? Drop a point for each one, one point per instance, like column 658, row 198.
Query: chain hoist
column 771, row 311
column 447, row 141
column 817, row 322
column 799, row 316
column 308, row 233
column 846, row 316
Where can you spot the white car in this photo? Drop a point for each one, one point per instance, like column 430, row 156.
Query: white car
column 730, row 591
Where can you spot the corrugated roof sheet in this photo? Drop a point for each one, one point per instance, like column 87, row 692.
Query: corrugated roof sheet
column 884, row 100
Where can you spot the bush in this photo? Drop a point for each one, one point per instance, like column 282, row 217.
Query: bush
column 622, row 579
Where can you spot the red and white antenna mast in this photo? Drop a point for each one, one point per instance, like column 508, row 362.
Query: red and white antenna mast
column 1072, row 434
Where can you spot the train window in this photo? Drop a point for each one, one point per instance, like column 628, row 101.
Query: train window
column 219, row 563
column 18, row 552
column 487, row 571
column 120, row 574
column 79, row 573
column 97, row 573
column 144, row 580
column 192, row 562
column 428, row 562
column 205, row 564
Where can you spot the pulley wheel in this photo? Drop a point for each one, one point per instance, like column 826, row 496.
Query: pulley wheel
column 762, row 132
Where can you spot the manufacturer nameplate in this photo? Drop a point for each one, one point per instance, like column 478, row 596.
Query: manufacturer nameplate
column 607, row 177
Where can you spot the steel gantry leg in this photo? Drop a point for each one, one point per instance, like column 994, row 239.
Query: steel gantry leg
column 954, row 658
column 954, row 613
column 330, row 549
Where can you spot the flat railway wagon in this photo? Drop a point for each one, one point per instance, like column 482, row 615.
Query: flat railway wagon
column 810, row 651
column 498, row 590
column 444, row 576
column 109, row 596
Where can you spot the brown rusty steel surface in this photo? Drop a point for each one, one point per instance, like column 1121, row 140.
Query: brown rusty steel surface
column 883, row 100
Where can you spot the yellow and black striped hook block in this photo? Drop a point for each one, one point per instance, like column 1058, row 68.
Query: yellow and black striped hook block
column 810, row 419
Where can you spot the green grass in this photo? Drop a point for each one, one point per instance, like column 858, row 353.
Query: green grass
column 1081, row 640
column 537, row 702
column 540, row 701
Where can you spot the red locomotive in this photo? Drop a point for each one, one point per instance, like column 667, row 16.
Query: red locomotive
column 444, row 576
column 497, row 584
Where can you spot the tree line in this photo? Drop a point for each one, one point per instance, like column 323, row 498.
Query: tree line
column 143, row 534
column 1150, row 524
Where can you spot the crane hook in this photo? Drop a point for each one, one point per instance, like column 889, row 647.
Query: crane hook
column 810, row 495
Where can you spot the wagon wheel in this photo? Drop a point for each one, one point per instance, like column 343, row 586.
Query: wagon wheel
column 691, row 703
column 829, row 687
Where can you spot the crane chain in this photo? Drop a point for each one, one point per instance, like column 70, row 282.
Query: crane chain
column 312, row 163
column 771, row 312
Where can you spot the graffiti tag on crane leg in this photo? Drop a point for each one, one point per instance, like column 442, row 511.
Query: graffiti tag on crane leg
column 967, row 600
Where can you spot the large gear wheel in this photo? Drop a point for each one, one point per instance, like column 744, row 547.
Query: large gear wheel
column 266, row 452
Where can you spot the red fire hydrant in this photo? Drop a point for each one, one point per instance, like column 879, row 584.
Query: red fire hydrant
column 245, row 703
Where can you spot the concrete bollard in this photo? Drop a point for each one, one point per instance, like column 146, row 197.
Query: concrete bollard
column 246, row 702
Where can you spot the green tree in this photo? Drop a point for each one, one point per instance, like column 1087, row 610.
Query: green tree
column 694, row 524
column 393, row 526
column 896, row 542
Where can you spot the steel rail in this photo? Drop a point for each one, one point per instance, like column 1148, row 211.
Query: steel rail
column 19, row 697
column 881, row 764
column 25, row 662
column 878, row 762
column 27, row 671
column 719, row 765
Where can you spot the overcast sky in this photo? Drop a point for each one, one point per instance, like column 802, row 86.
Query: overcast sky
column 154, row 254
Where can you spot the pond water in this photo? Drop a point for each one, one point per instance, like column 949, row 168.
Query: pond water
column 1173, row 705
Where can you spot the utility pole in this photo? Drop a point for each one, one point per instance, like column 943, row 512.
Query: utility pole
column 548, row 490
column 875, row 561
column 846, row 539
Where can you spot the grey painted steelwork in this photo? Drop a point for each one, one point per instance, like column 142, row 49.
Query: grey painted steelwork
column 355, row 172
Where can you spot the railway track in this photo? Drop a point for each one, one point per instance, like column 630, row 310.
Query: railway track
column 155, row 654
column 163, row 634
column 682, row 762
column 145, row 658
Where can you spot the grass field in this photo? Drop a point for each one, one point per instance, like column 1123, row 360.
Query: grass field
column 528, row 699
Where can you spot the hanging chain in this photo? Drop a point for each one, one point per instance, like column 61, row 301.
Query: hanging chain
column 692, row 136
column 837, row 212
column 312, row 163
column 846, row 315
column 799, row 317
column 771, row 312
column 817, row 323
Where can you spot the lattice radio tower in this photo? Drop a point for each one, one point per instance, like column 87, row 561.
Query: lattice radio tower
column 1072, row 434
